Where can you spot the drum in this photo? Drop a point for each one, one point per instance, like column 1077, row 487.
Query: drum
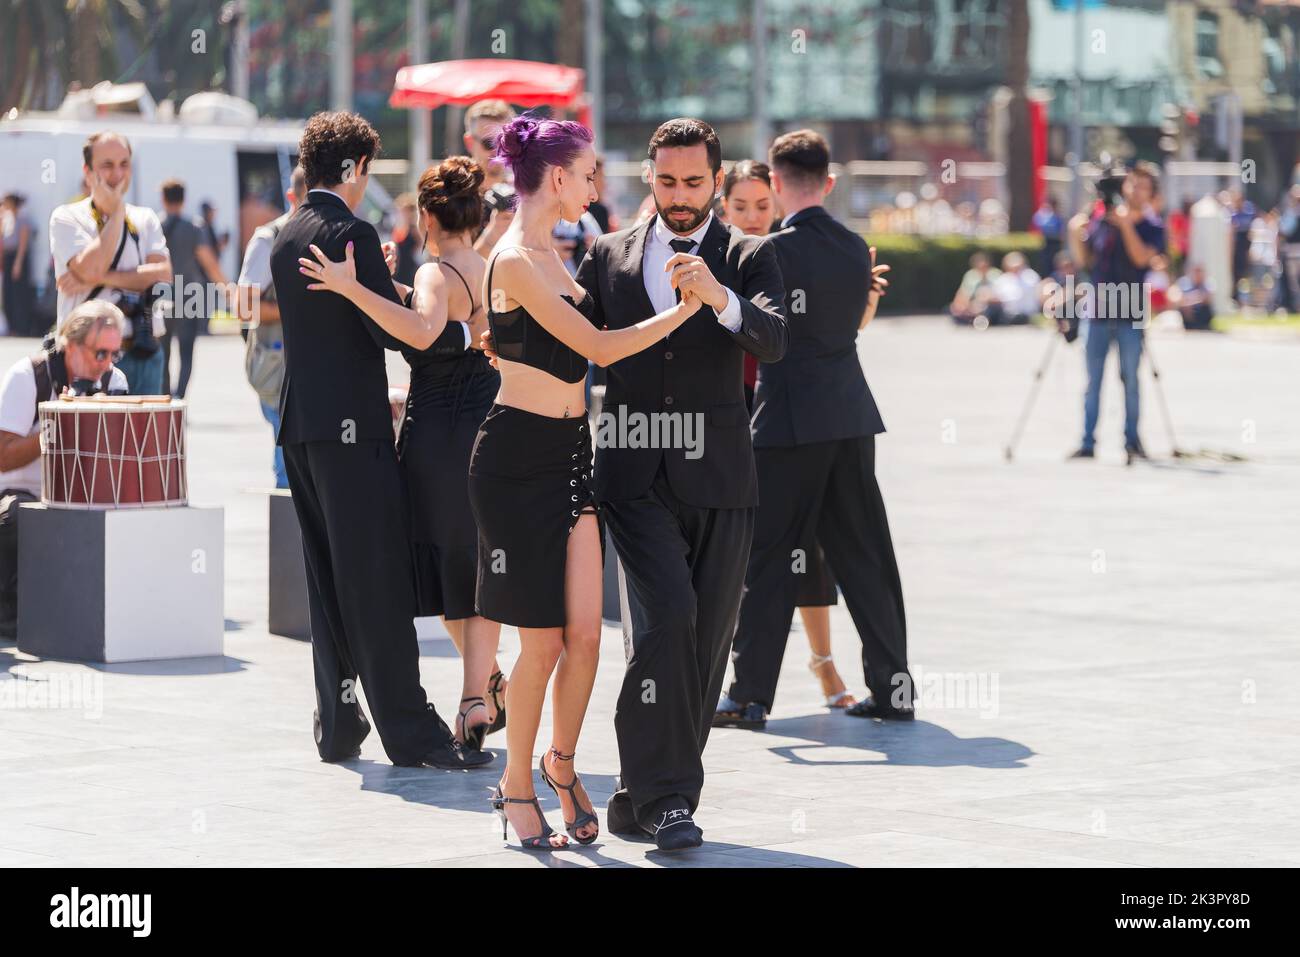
column 113, row 452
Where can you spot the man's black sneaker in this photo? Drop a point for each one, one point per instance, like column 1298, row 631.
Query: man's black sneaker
column 675, row 830
column 450, row 756
column 1081, row 454
column 887, row 712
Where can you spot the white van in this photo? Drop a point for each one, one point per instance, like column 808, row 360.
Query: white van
column 215, row 145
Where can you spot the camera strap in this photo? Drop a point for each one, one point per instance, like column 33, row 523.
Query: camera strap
column 126, row 228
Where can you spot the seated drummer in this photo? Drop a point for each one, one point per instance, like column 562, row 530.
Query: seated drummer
column 80, row 363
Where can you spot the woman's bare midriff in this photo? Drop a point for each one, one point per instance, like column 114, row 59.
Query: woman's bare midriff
column 541, row 393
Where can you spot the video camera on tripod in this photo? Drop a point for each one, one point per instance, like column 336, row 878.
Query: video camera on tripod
column 1110, row 186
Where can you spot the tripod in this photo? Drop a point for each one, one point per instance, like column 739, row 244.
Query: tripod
column 1008, row 452
column 1164, row 405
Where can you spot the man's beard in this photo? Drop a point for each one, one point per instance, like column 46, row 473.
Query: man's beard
column 697, row 216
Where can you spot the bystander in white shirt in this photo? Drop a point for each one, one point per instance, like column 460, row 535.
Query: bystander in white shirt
column 73, row 228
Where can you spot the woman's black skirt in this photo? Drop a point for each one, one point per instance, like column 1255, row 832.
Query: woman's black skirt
column 438, row 430
column 529, row 481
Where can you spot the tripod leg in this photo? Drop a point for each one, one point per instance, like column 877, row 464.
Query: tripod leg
column 1160, row 393
column 1009, row 451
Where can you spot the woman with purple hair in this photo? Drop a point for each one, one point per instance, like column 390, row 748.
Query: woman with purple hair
column 541, row 551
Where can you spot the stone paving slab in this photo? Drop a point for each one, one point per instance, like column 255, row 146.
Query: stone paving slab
column 1111, row 655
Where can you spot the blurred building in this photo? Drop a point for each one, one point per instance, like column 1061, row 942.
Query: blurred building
column 910, row 84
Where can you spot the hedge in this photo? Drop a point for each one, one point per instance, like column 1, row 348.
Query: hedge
column 926, row 270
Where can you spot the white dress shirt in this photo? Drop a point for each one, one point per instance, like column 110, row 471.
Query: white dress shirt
column 320, row 189
column 658, row 284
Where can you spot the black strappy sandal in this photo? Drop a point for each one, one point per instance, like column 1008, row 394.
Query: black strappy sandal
column 494, row 692
column 541, row 842
column 583, row 817
column 473, row 737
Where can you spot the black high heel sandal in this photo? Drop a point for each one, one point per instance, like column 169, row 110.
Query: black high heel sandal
column 473, row 736
column 494, row 692
column 541, row 842
column 583, row 817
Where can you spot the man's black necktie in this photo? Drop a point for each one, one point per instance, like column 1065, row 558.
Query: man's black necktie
column 681, row 246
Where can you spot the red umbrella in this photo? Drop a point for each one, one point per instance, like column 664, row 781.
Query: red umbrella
column 461, row 82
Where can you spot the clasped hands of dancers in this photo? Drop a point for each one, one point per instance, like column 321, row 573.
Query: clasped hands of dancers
column 489, row 508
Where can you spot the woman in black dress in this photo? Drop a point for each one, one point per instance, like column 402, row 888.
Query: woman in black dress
column 540, row 541
column 448, row 398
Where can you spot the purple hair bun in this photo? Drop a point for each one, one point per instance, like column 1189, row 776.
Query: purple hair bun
column 529, row 146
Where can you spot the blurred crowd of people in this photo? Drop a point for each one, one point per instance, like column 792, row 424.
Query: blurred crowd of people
column 1262, row 249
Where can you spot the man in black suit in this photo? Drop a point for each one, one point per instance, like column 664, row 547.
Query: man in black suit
column 680, row 518
column 336, row 428
column 815, row 426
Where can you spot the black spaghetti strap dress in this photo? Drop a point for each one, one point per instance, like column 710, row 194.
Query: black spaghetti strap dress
column 529, row 482
column 449, row 397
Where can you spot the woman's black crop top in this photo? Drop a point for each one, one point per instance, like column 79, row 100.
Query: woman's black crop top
column 519, row 337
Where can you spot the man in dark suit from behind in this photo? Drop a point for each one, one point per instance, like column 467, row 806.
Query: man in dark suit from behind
column 815, row 425
column 336, row 429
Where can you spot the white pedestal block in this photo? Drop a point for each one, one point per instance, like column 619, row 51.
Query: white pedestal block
column 123, row 585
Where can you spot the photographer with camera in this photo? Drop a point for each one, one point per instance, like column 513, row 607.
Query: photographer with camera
column 1116, row 245
column 104, row 248
column 80, row 363
column 483, row 120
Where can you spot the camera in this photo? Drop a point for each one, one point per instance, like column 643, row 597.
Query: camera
column 138, row 309
column 1110, row 186
column 500, row 197
column 84, row 387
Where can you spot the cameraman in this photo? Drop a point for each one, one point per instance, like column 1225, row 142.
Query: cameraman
column 81, row 362
column 1116, row 245
column 105, row 249
column 483, row 120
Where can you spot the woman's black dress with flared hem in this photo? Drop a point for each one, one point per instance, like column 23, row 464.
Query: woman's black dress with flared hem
column 448, row 399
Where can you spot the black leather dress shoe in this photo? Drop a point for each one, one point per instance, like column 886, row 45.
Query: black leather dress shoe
column 733, row 714
column 450, row 756
column 674, row 829
column 869, row 709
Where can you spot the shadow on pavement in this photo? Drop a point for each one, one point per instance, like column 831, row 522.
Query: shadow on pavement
column 916, row 743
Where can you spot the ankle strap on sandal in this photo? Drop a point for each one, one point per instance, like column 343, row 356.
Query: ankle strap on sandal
column 816, row 661
column 560, row 756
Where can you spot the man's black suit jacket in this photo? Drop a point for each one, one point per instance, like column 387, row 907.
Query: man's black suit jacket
column 335, row 385
column 697, row 371
column 817, row 393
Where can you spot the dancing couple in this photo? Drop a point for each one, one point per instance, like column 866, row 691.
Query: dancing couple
column 682, row 526
column 669, row 307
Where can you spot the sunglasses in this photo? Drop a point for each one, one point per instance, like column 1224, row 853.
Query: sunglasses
column 489, row 142
column 102, row 354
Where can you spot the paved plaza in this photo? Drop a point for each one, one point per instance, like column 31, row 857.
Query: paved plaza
column 1107, row 658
